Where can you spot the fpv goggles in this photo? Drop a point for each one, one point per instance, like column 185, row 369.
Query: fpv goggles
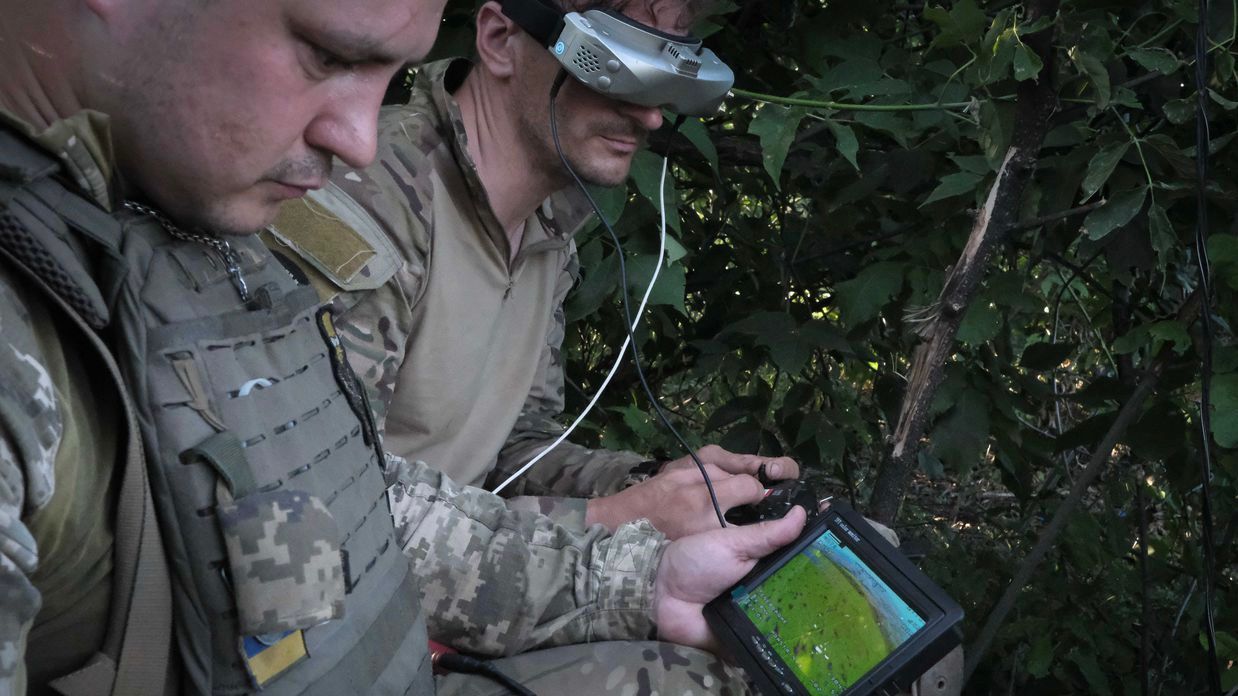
column 626, row 60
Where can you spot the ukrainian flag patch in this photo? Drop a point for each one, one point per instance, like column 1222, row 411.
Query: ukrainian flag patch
column 268, row 656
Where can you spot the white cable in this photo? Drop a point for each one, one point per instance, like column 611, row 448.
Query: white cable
column 622, row 349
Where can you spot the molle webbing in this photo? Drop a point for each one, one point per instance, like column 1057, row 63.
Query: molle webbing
column 286, row 426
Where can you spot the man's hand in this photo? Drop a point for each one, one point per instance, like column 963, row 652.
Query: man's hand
column 776, row 468
column 676, row 499
column 698, row 568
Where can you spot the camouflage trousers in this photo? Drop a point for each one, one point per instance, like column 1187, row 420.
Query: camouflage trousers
column 621, row 668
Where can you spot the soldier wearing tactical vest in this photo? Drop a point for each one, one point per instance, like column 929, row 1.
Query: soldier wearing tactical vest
column 194, row 496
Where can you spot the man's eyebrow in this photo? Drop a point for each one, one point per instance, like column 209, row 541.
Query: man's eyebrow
column 354, row 47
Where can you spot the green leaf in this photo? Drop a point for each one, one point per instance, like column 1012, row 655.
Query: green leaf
column 997, row 52
column 1159, row 60
column 1158, row 332
column 996, row 129
column 1223, row 250
column 1040, row 656
column 1226, row 104
column 971, row 163
column 611, row 199
column 1161, row 234
column 1039, row 25
column 898, row 127
column 732, row 411
column 1095, row 70
column 1027, row 65
column 779, row 333
column 958, row 439
column 831, row 443
column 1159, row 433
column 696, row 134
column 775, row 126
column 1225, row 409
column 952, row 185
column 1167, row 147
column 862, row 297
column 764, row 323
column 845, row 141
column 674, row 250
column 930, row 465
column 647, row 172
column 1120, row 210
column 1046, row 356
column 849, row 76
column 1101, row 167
column 1179, row 111
column 669, row 289
column 959, row 25
column 1095, row 676
column 980, row 323
column 598, row 282
column 638, row 420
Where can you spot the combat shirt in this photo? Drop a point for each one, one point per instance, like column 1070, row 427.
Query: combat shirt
column 463, row 345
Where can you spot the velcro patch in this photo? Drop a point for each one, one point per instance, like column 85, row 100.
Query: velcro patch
column 337, row 237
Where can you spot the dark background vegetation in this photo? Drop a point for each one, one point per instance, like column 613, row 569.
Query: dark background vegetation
column 818, row 245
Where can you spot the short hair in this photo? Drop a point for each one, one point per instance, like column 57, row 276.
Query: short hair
column 693, row 9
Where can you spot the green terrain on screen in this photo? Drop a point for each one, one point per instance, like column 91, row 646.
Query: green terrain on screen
column 829, row 633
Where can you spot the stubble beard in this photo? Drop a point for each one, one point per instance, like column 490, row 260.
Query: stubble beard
column 540, row 142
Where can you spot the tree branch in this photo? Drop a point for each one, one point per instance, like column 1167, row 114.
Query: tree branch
column 1048, row 536
column 940, row 324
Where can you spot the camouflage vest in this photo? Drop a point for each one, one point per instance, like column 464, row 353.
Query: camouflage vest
column 265, row 468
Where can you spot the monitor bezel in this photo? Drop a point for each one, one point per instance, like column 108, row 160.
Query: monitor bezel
column 940, row 613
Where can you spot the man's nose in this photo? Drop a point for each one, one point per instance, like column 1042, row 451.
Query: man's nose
column 648, row 117
column 348, row 129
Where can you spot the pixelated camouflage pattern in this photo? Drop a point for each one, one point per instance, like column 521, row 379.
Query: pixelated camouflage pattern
column 284, row 553
column 30, row 429
column 477, row 560
column 608, row 669
column 377, row 326
column 34, row 420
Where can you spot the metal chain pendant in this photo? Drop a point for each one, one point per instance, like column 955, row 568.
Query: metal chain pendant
column 232, row 260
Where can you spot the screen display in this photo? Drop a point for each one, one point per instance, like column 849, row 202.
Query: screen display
column 828, row 615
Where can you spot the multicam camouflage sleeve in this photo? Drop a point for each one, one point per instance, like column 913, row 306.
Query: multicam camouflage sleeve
column 497, row 581
column 570, row 470
column 374, row 326
column 30, row 432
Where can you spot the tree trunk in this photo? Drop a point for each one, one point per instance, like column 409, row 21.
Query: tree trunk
column 940, row 323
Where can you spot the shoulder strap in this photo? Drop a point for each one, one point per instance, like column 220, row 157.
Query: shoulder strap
column 339, row 245
column 137, row 647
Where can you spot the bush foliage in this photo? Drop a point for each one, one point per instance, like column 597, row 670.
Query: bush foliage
column 815, row 220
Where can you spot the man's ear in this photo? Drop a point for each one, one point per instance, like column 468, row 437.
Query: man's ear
column 498, row 40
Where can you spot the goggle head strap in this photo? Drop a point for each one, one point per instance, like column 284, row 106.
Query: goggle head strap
column 538, row 18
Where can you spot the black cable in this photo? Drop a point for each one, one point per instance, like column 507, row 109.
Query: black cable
column 623, row 294
column 1202, row 143
column 464, row 664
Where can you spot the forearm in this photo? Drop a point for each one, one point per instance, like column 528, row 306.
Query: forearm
column 497, row 581
column 569, row 470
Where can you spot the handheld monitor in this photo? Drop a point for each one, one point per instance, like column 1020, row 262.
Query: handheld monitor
column 839, row 612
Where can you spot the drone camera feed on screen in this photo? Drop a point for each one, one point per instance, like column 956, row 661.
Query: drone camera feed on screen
column 839, row 612
column 829, row 616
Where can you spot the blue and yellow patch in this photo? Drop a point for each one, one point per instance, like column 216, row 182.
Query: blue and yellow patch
column 268, row 656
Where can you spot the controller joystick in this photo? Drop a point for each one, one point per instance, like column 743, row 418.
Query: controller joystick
column 779, row 498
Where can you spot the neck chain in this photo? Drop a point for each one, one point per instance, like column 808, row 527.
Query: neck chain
column 232, row 260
